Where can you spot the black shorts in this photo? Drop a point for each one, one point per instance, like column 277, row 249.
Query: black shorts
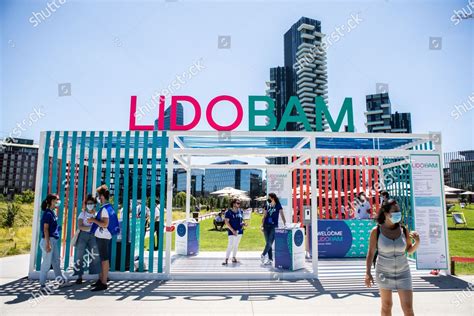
column 103, row 245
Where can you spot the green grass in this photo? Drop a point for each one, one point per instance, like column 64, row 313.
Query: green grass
column 215, row 240
column 15, row 241
column 461, row 240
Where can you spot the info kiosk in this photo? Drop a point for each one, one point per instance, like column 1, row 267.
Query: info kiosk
column 289, row 248
column 187, row 238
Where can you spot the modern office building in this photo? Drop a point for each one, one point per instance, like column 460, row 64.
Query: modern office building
column 400, row 122
column 304, row 74
column 305, row 62
column 18, row 159
column 179, row 117
column 197, row 182
column 378, row 114
column 249, row 180
column 459, row 169
column 379, row 117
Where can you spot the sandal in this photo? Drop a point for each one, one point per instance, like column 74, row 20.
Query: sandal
column 225, row 262
column 234, row 260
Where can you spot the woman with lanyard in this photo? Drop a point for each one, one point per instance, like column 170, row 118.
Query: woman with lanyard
column 234, row 221
column 49, row 239
column 86, row 240
column 269, row 223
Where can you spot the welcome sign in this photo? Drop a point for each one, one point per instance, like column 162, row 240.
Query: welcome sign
column 294, row 113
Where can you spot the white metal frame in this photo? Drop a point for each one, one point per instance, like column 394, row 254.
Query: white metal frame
column 183, row 156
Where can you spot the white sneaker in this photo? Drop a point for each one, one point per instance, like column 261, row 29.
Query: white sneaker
column 268, row 262
column 262, row 259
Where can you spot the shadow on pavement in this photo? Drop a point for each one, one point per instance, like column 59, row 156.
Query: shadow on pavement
column 338, row 288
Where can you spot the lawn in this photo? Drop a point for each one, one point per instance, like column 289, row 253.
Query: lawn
column 461, row 240
column 215, row 240
column 16, row 240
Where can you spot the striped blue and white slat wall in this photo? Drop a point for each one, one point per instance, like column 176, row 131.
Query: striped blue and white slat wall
column 130, row 164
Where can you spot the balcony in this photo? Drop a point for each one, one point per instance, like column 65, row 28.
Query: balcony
column 306, row 27
column 373, row 112
column 307, row 36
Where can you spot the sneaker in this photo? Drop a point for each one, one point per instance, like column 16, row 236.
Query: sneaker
column 268, row 262
column 262, row 259
column 79, row 281
column 97, row 283
column 100, row 287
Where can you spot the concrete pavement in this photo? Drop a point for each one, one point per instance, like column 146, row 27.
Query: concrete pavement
column 329, row 296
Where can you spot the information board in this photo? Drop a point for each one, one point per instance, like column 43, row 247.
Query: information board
column 429, row 209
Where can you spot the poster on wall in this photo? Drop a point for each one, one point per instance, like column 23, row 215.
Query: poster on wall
column 430, row 215
column 279, row 182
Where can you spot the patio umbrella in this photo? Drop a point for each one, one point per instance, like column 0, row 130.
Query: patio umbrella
column 451, row 190
column 228, row 191
column 467, row 193
column 261, row 199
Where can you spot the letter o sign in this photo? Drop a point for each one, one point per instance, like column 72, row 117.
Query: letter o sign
column 238, row 106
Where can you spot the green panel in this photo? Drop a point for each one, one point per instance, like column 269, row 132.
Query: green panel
column 164, row 144
column 54, row 164
column 152, row 202
column 125, row 203
column 63, row 177
column 143, row 198
column 44, row 193
column 80, row 185
column 90, row 166
column 109, row 154
column 99, row 162
column 116, row 197
column 134, row 200
column 70, row 213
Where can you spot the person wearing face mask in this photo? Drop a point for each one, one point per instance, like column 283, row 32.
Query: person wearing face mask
column 269, row 223
column 364, row 209
column 49, row 243
column 384, row 197
column 234, row 221
column 389, row 241
column 86, row 240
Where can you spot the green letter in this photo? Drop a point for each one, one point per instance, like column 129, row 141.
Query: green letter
column 268, row 112
column 321, row 108
column 293, row 102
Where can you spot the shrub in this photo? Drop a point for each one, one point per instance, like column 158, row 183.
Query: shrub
column 9, row 215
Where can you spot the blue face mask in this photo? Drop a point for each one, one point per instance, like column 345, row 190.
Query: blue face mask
column 396, row 217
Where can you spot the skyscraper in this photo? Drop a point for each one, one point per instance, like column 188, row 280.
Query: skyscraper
column 304, row 75
column 305, row 61
column 379, row 117
column 167, row 118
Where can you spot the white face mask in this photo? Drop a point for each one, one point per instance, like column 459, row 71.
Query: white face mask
column 90, row 207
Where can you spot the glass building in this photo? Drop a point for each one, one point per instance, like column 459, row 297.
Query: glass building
column 18, row 158
column 459, row 169
column 197, row 182
column 179, row 117
column 249, row 180
column 379, row 117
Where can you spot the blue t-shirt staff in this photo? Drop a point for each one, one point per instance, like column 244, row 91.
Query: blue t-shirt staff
column 269, row 223
column 49, row 243
column 234, row 220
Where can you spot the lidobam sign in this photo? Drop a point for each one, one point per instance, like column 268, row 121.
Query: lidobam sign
column 430, row 215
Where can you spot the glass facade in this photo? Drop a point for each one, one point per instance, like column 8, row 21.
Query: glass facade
column 379, row 117
column 459, row 169
column 249, row 180
column 179, row 117
column 18, row 159
column 197, row 182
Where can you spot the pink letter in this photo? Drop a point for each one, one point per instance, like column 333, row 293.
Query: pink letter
column 197, row 113
column 133, row 110
column 161, row 113
column 238, row 106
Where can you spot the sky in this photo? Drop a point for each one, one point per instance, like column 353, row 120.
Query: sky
column 110, row 50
